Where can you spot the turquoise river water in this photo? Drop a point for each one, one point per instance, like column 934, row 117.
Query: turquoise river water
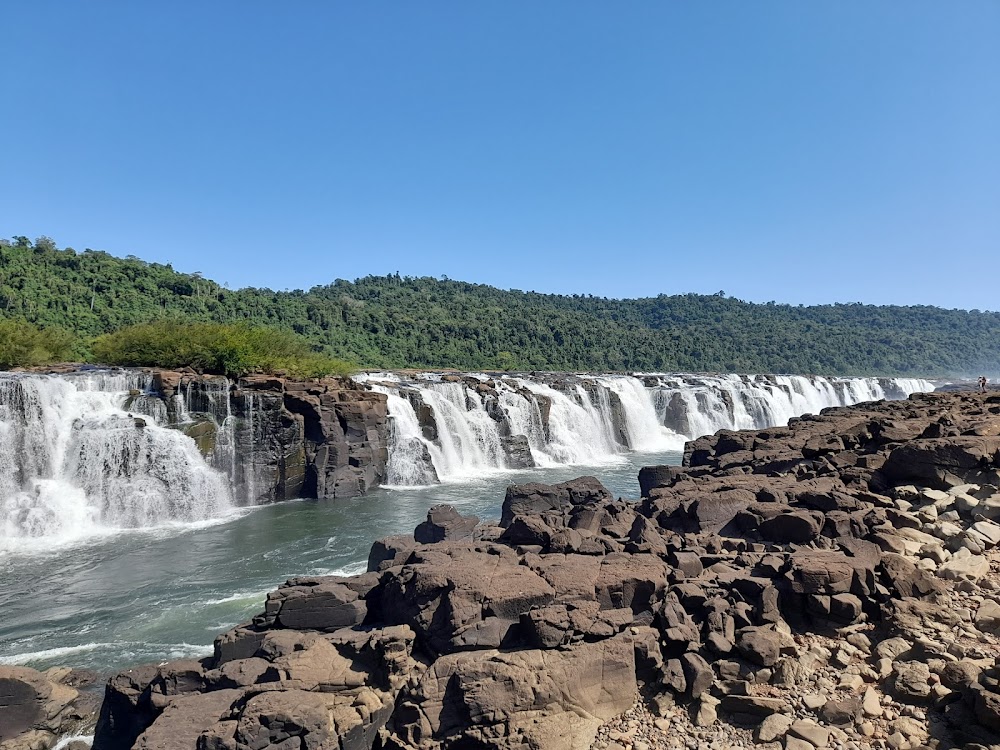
column 135, row 597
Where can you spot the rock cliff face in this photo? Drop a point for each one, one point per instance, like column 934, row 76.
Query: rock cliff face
column 280, row 439
column 829, row 584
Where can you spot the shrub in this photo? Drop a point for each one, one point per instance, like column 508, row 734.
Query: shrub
column 25, row 345
column 232, row 350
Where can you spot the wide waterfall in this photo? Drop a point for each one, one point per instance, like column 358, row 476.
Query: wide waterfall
column 88, row 452
column 85, row 453
column 449, row 427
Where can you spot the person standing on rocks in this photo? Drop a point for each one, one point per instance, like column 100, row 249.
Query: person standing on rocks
column 982, row 384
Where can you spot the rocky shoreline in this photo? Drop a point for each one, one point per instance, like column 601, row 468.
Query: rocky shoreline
column 831, row 584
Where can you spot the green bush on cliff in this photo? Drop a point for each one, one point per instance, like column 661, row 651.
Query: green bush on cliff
column 225, row 349
column 25, row 345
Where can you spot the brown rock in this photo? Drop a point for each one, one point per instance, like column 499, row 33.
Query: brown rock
column 444, row 522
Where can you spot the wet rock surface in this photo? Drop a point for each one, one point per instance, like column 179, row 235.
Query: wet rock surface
column 279, row 438
column 831, row 584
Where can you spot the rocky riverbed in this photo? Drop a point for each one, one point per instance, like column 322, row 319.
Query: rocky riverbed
column 831, row 584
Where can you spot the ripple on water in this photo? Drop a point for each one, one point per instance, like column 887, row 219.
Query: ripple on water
column 152, row 595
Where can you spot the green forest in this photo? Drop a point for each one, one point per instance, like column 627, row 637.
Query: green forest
column 71, row 298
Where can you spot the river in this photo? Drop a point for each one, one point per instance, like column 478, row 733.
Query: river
column 151, row 595
column 121, row 543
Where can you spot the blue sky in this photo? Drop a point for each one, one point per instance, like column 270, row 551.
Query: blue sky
column 794, row 151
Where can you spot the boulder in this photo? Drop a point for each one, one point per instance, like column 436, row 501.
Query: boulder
column 907, row 578
column 762, row 646
column 655, row 477
column 911, row 681
column 941, row 462
column 517, row 451
column 795, row 526
column 551, row 699
column 988, row 616
column 38, row 707
column 460, row 599
column 960, row 675
column 444, row 522
column 528, row 499
column 184, row 719
column 390, row 551
column 841, row 711
column 964, row 567
column 311, row 720
column 711, row 513
column 324, row 605
column 23, row 693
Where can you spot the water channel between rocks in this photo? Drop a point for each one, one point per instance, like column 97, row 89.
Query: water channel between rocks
column 163, row 593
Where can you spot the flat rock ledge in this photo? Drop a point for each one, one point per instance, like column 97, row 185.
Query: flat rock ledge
column 38, row 708
column 832, row 584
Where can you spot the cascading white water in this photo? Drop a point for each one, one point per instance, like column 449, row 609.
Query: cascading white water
column 74, row 462
column 524, row 417
column 408, row 459
column 210, row 397
column 702, row 405
column 208, row 402
column 249, row 467
column 468, row 442
column 470, row 439
column 574, row 420
column 646, row 433
column 578, row 433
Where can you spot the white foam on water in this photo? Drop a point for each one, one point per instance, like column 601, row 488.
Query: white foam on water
column 122, row 650
column 55, row 546
column 87, row 739
column 239, row 596
column 346, row 571
column 51, row 653
column 187, row 650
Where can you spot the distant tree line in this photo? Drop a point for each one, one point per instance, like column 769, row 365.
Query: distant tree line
column 397, row 321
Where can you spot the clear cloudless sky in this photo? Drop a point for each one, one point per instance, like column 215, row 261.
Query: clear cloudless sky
column 801, row 152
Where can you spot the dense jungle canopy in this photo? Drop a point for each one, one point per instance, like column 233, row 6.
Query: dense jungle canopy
column 395, row 322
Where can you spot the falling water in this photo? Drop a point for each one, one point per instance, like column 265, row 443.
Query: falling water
column 646, row 432
column 410, row 460
column 74, row 462
column 568, row 420
column 578, row 433
column 249, row 466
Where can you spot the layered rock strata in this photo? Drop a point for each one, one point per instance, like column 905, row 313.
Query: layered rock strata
column 829, row 584
column 280, row 439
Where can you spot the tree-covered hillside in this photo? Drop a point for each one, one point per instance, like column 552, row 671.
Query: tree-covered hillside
column 394, row 321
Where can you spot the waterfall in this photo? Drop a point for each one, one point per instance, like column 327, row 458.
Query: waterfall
column 451, row 428
column 578, row 433
column 524, row 417
column 468, row 439
column 646, row 432
column 204, row 410
column 75, row 461
column 249, row 472
column 410, row 461
column 697, row 405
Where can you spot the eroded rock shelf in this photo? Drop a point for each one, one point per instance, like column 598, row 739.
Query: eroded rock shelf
column 830, row 584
